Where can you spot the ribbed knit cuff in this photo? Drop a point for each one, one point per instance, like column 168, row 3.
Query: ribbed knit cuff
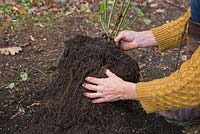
column 168, row 36
column 163, row 37
column 145, row 97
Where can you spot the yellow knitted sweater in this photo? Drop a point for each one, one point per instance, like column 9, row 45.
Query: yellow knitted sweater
column 182, row 88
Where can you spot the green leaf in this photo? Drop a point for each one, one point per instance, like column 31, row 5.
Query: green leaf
column 6, row 9
column 102, row 8
column 12, row 85
column 138, row 11
column 24, row 76
column 147, row 21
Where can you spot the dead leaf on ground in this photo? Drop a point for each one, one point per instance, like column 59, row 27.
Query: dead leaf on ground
column 32, row 38
column 15, row 8
column 22, row 10
column 10, row 50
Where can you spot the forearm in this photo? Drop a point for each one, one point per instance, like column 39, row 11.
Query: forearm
column 179, row 90
column 147, row 39
column 168, row 36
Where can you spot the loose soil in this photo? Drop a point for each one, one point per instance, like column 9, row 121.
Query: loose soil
column 64, row 109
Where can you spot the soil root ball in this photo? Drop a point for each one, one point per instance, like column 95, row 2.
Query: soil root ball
column 74, row 113
column 67, row 111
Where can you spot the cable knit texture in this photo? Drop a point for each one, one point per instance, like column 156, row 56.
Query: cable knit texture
column 182, row 88
column 169, row 35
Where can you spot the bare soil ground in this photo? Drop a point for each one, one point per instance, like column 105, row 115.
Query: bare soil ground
column 40, row 56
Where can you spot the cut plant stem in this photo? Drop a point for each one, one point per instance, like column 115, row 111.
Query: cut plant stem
column 111, row 14
column 122, row 7
column 102, row 24
column 129, row 25
column 105, row 14
column 116, row 24
column 123, row 18
column 119, row 18
column 124, row 25
column 133, row 21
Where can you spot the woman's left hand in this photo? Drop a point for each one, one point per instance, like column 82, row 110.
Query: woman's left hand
column 109, row 89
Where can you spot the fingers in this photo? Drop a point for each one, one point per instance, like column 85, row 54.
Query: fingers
column 93, row 95
column 91, row 87
column 119, row 37
column 109, row 73
column 128, row 45
column 100, row 100
column 93, row 80
column 96, row 96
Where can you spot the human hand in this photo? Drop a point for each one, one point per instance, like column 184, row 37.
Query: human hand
column 131, row 39
column 109, row 89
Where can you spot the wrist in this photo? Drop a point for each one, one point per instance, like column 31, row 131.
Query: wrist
column 129, row 92
column 146, row 39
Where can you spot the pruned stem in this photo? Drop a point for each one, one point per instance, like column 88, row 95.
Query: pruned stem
column 116, row 24
column 119, row 19
column 122, row 7
column 105, row 13
column 102, row 24
column 133, row 21
column 111, row 14
column 123, row 17
column 129, row 25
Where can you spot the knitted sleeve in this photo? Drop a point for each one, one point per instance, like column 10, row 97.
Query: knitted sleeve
column 169, row 35
column 179, row 90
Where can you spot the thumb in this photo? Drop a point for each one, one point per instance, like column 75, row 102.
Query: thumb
column 109, row 73
column 119, row 37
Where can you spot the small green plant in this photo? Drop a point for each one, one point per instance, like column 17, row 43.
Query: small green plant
column 26, row 3
column 139, row 12
column 6, row 9
column 11, row 86
column 25, row 20
column 107, row 12
column 24, row 76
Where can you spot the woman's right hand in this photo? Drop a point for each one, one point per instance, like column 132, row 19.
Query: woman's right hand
column 130, row 39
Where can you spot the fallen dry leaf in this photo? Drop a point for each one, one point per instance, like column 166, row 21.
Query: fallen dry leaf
column 10, row 50
column 15, row 8
column 32, row 38
column 22, row 10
